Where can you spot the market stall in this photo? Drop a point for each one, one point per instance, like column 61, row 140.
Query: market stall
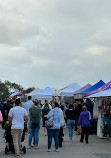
column 102, row 111
column 45, row 94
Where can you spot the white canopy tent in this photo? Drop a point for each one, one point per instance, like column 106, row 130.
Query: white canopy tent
column 57, row 93
column 33, row 93
column 45, row 94
column 70, row 89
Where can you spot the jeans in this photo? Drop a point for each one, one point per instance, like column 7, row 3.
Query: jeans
column 53, row 133
column 16, row 135
column 34, row 132
column 70, row 124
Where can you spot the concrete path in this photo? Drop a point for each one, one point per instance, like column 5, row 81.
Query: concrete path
column 97, row 148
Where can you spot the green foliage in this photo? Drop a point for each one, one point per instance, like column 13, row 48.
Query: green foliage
column 6, row 88
column 14, row 86
column 4, row 91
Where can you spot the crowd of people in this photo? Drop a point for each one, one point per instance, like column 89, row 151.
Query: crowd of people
column 54, row 116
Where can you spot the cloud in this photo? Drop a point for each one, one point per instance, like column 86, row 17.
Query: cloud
column 14, row 26
column 98, row 50
column 55, row 43
column 13, row 54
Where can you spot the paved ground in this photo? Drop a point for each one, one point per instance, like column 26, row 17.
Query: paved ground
column 97, row 148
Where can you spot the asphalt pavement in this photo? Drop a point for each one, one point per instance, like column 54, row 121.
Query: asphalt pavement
column 97, row 148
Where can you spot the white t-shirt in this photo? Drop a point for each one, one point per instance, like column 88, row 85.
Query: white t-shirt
column 27, row 105
column 17, row 114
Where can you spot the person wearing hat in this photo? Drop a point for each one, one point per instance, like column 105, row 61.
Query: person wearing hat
column 16, row 116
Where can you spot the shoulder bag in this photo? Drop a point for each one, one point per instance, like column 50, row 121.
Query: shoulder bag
column 49, row 123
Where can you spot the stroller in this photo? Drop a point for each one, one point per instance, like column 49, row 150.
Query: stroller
column 9, row 141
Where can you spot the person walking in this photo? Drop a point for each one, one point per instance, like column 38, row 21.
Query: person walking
column 45, row 111
column 16, row 116
column 27, row 105
column 34, row 124
column 70, row 113
column 55, row 116
column 84, row 121
column 61, row 133
column 78, row 110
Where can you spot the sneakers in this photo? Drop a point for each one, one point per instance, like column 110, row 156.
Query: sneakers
column 56, row 150
column 48, row 150
column 36, row 147
column 29, row 147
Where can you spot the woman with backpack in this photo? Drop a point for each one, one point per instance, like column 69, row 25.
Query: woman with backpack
column 34, row 124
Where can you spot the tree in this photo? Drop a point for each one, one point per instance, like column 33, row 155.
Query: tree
column 4, row 91
column 13, row 86
column 6, row 88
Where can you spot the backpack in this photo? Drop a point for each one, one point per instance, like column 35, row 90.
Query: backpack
column 35, row 122
column 35, row 116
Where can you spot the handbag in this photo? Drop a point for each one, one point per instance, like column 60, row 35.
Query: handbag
column 49, row 123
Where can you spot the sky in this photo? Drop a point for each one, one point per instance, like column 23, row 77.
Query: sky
column 55, row 42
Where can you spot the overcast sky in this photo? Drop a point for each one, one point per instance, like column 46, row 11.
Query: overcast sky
column 55, row 42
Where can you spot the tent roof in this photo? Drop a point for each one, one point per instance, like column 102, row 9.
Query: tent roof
column 94, row 87
column 105, row 93
column 34, row 92
column 15, row 93
column 45, row 92
column 107, row 86
column 104, row 87
column 81, row 89
column 70, row 89
column 58, row 92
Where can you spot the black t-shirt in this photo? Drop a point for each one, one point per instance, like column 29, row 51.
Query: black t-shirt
column 70, row 113
column 7, row 108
